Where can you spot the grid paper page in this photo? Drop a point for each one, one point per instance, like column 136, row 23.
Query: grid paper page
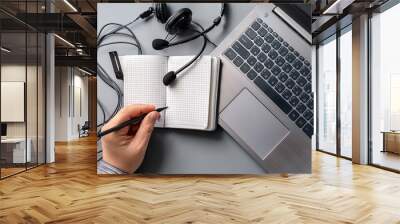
column 188, row 98
column 143, row 81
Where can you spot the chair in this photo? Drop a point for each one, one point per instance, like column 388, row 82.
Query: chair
column 84, row 130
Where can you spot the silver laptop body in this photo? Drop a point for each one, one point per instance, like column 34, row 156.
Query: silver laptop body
column 254, row 108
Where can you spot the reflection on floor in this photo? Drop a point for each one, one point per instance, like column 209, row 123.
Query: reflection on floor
column 386, row 159
column 9, row 170
column 70, row 191
column 346, row 152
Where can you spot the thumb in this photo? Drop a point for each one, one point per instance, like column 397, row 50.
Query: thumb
column 146, row 127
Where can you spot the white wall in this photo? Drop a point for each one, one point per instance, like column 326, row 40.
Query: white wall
column 80, row 110
column 61, row 104
column 70, row 84
column 12, row 101
column 17, row 73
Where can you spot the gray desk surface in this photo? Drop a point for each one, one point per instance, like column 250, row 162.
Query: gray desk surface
column 178, row 151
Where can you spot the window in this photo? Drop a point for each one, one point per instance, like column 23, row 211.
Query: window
column 327, row 96
column 346, row 92
column 334, row 60
column 394, row 102
column 385, row 89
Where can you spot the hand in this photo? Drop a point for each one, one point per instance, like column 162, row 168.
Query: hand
column 125, row 149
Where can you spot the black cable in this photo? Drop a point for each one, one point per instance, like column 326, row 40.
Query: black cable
column 215, row 23
column 102, row 73
column 194, row 36
column 195, row 57
column 172, row 38
column 104, row 76
column 119, row 42
column 202, row 29
column 131, row 35
column 102, row 110
column 135, row 41
column 119, row 28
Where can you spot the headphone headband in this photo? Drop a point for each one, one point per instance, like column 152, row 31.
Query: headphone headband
column 161, row 11
column 179, row 22
column 216, row 22
column 222, row 11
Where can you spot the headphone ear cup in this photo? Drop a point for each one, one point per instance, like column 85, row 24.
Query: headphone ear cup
column 179, row 22
column 162, row 13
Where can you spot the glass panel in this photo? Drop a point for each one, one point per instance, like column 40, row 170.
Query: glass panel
column 32, row 89
column 31, row 99
column 41, row 98
column 385, row 87
column 13, row 86
column 23, row 88
column 327, row 96
column 346, row 94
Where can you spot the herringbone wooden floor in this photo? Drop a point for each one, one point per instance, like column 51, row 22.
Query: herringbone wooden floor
column 69, row 191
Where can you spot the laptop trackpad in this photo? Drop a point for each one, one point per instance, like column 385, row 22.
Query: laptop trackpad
column 254, row 123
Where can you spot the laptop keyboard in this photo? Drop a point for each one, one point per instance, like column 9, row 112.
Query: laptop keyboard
column 278, row 70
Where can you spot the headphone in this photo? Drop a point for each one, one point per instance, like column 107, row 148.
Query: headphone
column 175, row 25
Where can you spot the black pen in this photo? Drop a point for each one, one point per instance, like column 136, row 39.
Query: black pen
column 132, row 121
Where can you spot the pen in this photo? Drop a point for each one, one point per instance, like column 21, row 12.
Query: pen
column 132, row 121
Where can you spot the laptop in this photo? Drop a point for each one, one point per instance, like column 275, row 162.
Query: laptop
column 266, row 100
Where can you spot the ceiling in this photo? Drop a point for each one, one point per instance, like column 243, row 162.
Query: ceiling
column 22, row 20
column 76, row 23
column 326, row 24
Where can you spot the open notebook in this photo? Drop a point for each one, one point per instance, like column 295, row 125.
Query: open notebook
column 191, row 99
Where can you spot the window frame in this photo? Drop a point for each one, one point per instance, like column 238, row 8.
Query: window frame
column 381, row 9
column 334, row 37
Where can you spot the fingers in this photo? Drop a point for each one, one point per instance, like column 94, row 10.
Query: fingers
column 126, row 148
column 143, row 134
column 129, row 112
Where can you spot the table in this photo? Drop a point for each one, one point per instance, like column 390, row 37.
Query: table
column 391, row 141
column 13, row 150
column 177, row 151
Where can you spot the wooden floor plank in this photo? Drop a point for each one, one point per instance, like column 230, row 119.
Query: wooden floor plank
column 70, row 191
